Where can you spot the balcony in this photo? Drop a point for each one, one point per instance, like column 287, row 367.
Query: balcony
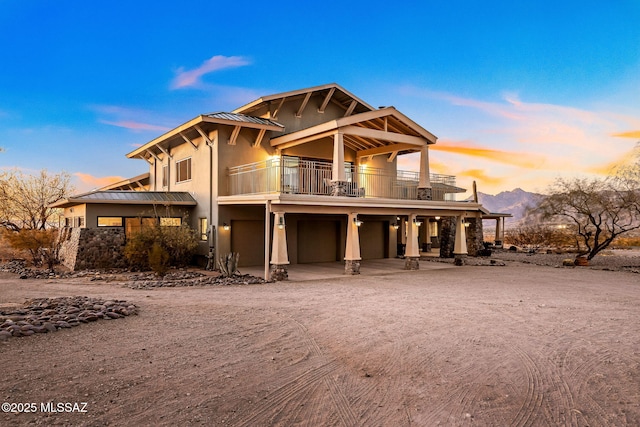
column 296, row 176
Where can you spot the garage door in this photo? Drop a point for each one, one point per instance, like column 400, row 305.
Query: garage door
column 247, row 238
column 372, row 239
column 318, row 241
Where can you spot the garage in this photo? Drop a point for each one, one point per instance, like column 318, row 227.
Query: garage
column 247, row 238
column 373, row 239
column 318, row 241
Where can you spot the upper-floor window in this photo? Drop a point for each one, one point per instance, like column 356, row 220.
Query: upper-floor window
column 165, row 175
column 183, row 170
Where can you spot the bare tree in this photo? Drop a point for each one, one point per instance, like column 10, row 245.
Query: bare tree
column 25, row 199
column 599, row 209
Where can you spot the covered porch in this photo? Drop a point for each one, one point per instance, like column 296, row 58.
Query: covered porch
column 301, row 229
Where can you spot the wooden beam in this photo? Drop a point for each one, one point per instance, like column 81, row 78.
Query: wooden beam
column 385, row 150
column 301, row 141
column 304, row 104
column 234, row 135
column 143, row 157
column 166, row 152
column 188, row 140
column 384, row 136
column 277, row 110
column 327, row 98
column 154, row 155
column 203, row 135
column 392, row 157
column 258, row 140
column 352, row 107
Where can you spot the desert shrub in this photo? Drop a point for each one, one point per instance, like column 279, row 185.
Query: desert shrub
column 42, row 245
column 179, row 243
column 540, row 235
column 159, row 259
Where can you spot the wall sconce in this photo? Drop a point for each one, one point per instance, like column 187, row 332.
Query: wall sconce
column 465, row 223
column 437, row 218
column 281, row 224
column 395, row 225
column 226, row 227
column 357, row 222
column 416, row 222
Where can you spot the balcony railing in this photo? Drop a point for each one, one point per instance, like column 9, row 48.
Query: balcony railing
column 296, row 176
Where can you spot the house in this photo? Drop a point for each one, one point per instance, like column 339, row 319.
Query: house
column 297, row 177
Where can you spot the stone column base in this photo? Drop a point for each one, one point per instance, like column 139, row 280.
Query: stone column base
column 425, row 194
column 339, row 188
column 458, row 259
column 279, row 272
column 352, row 266
column 412, row 263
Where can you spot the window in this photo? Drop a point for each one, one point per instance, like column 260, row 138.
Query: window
column 165, row 176
column 67, row 222
column 203, row 229
column 171, row 222
column 81, row 222
column 183, row 170
column 109, row 221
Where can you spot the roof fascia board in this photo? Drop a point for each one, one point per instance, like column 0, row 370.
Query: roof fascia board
column 386, row 112
column 165, row 136
column 300, row 92
column 383, row 136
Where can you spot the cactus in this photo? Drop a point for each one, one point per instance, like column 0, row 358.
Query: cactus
column 228, row 264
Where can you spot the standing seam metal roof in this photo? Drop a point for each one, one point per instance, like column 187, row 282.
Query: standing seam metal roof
column 242, row 118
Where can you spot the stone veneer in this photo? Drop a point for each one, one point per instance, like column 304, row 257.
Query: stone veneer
column 278, row 272
column 92, row 248
column 352, row 267
column 448, row 237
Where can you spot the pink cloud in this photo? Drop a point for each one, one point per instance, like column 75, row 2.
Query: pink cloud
column 189, row 78
column 137, row 126
column 89, row 181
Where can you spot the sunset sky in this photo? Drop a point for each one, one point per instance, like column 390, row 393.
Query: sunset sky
column 518, row 94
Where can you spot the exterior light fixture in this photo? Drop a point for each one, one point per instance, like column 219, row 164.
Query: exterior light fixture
column 437, row 218
column 395, row 225
column 357, row 222
column 466, row 224
column 281, row 224
column 226, row 227
column 416, row 222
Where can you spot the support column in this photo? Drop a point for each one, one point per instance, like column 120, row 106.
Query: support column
column 498, row 240
column 460, row 247
column 338, row 176
column 352, row 251
column 279, row 253
column 424, row 185
column 412, row 255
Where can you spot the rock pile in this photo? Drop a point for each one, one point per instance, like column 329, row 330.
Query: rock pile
column 19, row 267
column 43, row 315
column 150, row 282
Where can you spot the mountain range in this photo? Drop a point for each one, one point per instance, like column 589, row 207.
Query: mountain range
column 514, row 202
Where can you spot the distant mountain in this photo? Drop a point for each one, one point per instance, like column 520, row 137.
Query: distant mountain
column 514, row 202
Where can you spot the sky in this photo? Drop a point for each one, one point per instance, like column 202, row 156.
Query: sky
column 518, row 93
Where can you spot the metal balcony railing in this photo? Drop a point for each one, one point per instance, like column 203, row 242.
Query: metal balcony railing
column 297, row 176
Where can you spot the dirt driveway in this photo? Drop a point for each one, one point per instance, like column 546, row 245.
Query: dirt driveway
column 516, row 345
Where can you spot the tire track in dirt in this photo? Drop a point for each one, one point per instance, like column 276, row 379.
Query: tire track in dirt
column 341, row 402
column 533, row 398
column 283, row 394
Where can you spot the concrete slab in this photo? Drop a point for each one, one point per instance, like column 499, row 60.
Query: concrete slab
column 328, row 270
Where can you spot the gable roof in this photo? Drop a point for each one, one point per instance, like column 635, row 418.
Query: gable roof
column 165, row 198
column 375, row 132
column 333, row 92
column 179, row 134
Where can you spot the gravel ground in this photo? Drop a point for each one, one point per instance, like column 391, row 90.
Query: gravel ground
column 617, row 260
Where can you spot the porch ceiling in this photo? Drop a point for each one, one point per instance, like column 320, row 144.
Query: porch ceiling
column 302, row 203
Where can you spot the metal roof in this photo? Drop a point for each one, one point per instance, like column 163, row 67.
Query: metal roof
column 242, row 118
column 130, row 197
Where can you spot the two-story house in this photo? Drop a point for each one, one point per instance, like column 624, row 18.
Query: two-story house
column 297, row 177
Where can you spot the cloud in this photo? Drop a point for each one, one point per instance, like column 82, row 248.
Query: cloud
column 635, row 134
column 482, row 176
column 519, row 159
column 90, row 181
column 136, row 126
column 191, row 78
column 137, row 120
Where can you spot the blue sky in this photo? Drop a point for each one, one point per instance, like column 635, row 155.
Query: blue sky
column 518, row 94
